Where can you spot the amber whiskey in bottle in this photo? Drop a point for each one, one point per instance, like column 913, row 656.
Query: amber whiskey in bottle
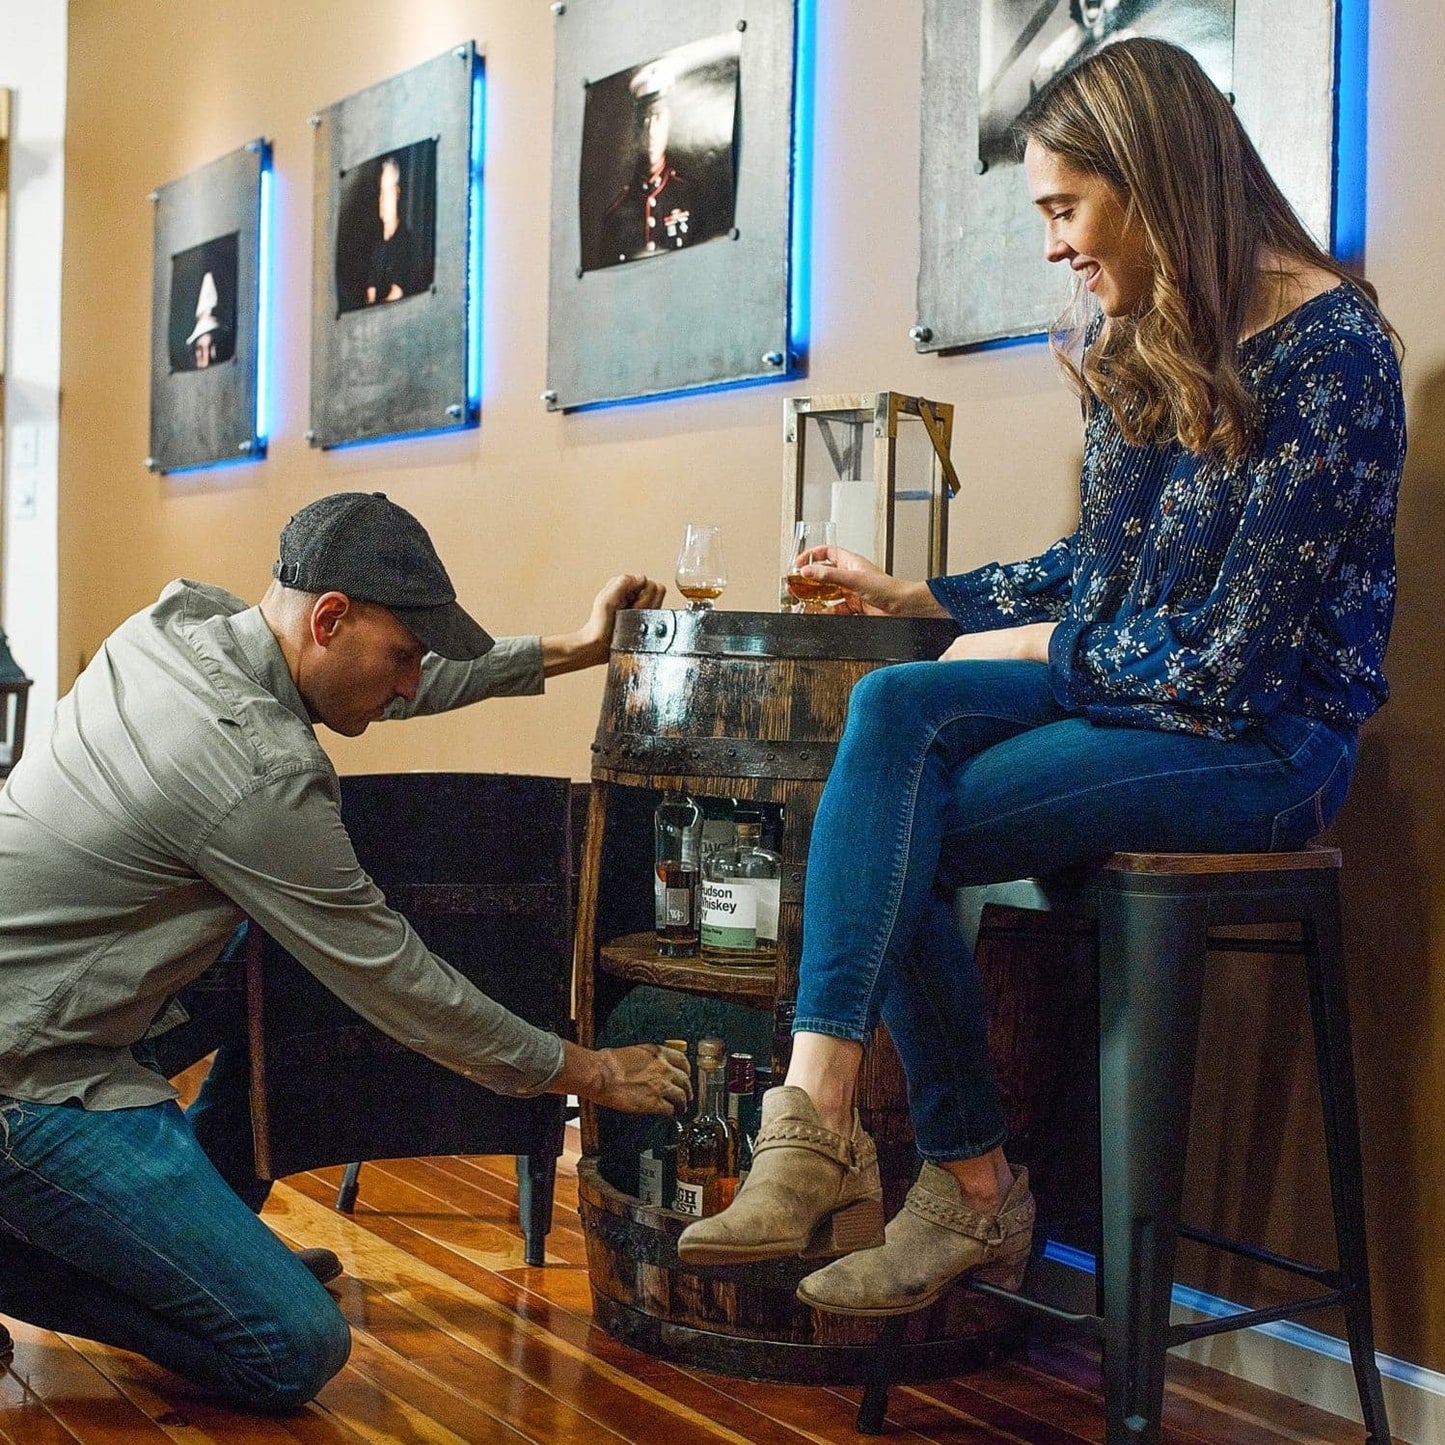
column 677, row 825
column 657, row 1168
column 703, row 1153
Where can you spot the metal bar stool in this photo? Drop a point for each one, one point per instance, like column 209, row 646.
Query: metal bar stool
column 1157, row 917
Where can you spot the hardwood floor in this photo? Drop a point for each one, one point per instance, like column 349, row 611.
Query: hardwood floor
column 457, row 1342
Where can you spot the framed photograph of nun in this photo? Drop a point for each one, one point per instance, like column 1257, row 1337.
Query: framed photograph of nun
column 982, row 274
column 671, row 265
column 396, row 256
column 207, row 310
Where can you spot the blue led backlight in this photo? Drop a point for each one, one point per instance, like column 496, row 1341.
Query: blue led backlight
column 474, row 247
column 265, row 261
column 800, row 247
column 1351, row 84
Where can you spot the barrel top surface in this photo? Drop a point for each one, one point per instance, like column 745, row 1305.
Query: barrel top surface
column 782, row 635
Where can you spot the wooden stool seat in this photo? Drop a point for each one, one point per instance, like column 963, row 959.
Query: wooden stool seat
column 1157, row 917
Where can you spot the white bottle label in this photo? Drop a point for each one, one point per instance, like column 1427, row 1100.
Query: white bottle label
column 649, row 1179
column 688, row 1199
column 767, row 891
column 729, row 916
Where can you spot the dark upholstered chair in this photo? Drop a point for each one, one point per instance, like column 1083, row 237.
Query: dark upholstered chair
column 482, row 866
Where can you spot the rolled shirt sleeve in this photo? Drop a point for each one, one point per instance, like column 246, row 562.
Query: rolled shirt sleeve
column 283, row 854
column 513, row 668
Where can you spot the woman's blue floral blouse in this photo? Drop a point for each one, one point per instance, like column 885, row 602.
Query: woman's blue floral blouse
column 1198, row 596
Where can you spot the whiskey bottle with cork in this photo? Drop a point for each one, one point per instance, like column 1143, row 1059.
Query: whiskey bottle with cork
column 657, row 1168
column 677, row 826
column 703, row 1152
column 739, row 898
column 739, row 1121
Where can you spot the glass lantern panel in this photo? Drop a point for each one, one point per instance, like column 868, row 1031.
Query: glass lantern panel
column 838, row 475
column 913, row 501
column 8, row 705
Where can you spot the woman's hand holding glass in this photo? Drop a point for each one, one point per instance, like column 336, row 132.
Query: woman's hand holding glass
column 867, row 589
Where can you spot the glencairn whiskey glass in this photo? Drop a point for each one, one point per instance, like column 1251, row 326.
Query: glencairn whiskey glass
column 701, row 572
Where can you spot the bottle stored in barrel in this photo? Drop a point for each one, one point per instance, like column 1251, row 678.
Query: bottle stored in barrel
column 739, row 901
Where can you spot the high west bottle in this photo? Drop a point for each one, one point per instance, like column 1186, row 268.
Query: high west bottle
column 677, row 826
column 763, row 1081
column 703, row 1153
column 657, row 1168
column 740, row 888
column 740, row 1120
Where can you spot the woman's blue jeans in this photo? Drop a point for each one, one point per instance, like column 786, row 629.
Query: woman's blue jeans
column 955, row 773
column 115, row 1226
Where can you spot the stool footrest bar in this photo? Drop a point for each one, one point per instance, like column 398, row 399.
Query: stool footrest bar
column 1091, row 1324
column 1247, row 1319
column 1317, row 1272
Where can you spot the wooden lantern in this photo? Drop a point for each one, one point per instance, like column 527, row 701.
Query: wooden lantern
column 877, row 464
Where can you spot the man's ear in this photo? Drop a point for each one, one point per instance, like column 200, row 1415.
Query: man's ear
column 326, row 615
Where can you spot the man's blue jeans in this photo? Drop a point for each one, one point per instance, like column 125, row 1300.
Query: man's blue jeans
column 954, row 773
column 115, row 1226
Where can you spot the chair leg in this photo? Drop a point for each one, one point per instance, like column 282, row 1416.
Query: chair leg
column 882, row 1371
column 1151, row 967
column 1329, row 1012
column 536, row 1186
column 346, row 1195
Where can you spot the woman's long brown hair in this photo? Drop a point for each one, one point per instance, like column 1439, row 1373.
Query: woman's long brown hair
column 1143, row 115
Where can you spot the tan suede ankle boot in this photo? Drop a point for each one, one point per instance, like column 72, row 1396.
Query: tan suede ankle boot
column 811, row 1192
column 931, row 1241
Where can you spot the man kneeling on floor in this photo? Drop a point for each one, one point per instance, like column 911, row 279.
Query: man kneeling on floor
column 183, row 787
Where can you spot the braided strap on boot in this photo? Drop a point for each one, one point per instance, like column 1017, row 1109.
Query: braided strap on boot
column 989, row 1229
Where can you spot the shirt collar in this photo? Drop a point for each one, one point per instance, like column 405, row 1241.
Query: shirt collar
column 266, row 661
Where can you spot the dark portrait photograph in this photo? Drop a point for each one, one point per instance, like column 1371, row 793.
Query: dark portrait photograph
column 658, row 167
column 201, row 331
column 1023, row 44
column 386, row 227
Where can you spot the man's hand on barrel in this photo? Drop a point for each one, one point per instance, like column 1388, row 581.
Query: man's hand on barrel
column 635, row 1079
column 592, row 642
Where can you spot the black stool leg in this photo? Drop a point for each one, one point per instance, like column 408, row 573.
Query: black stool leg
column 346, row 1195
column 536, row 1186
column 1151, row 967
column 1329, row 1011
column 873, row 1408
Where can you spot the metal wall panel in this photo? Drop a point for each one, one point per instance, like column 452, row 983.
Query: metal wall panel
column 982, row 274
column 708, row 314
column 202, row 417
column 398, row 368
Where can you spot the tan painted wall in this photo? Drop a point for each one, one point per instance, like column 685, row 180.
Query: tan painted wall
column 535, row 510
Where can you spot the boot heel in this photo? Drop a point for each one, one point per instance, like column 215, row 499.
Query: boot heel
column 1006, row 1272
column 857, row 1226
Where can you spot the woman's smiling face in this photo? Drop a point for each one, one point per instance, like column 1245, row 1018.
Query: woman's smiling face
column 1087, row 224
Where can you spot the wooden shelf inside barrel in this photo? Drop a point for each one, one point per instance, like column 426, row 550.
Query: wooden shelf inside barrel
column 634, row 956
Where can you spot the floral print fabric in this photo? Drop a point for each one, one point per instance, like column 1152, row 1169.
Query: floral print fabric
column 1203, row 596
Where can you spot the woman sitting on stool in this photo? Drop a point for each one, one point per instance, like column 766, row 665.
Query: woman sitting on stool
column 1185, row 673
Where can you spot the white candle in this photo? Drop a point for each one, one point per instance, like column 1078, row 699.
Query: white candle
column 852, row 509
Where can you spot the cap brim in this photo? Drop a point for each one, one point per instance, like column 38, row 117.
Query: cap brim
column 446, row 631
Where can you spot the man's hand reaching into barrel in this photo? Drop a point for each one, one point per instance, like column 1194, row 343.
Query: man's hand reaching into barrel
column 636, row 1079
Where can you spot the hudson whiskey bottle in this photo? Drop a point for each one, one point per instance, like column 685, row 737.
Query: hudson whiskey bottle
column 703, row 1153
column 740, row 891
